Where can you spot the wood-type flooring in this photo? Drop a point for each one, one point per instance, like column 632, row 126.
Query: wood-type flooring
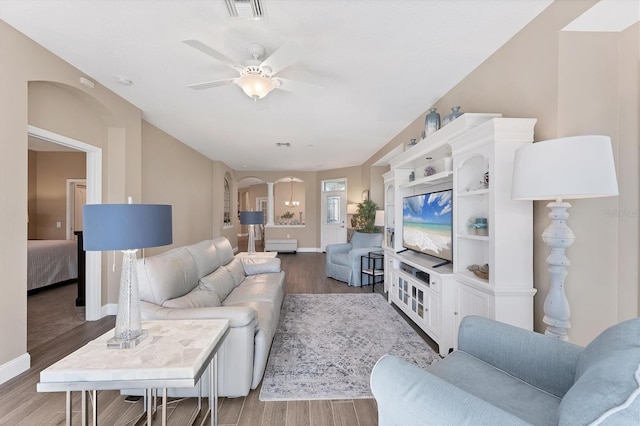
column 20, row 404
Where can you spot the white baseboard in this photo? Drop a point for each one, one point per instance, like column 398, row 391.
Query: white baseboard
column 16, row 366
column 309, row 250
column 109, row 309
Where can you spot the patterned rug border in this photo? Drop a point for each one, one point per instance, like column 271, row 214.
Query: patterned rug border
column 326, row 345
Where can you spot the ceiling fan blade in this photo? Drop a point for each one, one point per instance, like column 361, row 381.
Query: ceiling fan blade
column 210, row 84
column 196, row 44
column 287, row 54
column 299, row 87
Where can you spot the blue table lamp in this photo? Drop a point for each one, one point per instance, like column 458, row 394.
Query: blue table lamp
column 251, row 219
column 126, row 227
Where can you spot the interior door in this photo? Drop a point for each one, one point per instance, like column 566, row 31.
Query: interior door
column 334, row 216
column 79, row 200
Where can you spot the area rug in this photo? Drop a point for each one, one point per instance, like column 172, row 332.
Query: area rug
column 327, row 344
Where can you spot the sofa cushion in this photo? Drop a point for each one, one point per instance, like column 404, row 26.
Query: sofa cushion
column 236, row 269
column 258, row 288
column 194, row 299
column 608, row 391
column 498, row 388
column 362, row 240
column 173, row 274
column 224, row 249
column 205, row 256
column 260, row 265
column 219, row 281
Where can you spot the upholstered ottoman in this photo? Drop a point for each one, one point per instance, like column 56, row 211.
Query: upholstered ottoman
column 287, row 245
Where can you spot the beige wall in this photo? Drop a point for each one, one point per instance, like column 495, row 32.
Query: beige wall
column 573, row 83
column 50, row 172
column 23, row 103
column 173, row 173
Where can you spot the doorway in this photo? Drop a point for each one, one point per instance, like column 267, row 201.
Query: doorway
column 76, row 198
column 334, row 212
column 93, row 296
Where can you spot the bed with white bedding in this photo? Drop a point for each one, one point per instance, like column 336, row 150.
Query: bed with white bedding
column 51, row 262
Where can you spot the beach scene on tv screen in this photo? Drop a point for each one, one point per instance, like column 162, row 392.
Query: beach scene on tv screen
column 427, row 222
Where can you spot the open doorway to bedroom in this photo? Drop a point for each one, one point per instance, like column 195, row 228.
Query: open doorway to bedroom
column 53, row 258
column 63, row 174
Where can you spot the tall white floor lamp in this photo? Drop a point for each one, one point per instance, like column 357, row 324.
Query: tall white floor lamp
column 560, row 169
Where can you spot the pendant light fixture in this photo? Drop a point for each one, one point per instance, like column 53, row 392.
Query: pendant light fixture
column 291, row 203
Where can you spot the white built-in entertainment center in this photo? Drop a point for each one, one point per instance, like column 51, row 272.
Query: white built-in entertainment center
column 473, row 155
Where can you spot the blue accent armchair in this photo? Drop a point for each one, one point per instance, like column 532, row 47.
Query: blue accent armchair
column 504, row 375
column 343, row 260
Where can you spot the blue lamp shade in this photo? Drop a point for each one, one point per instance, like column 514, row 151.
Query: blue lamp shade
column 126, row 226
column 251, row 218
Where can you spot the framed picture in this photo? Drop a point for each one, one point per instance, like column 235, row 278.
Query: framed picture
column 365, row 195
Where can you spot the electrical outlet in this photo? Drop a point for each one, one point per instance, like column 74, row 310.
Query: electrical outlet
column 58, row 224
column 287, row 235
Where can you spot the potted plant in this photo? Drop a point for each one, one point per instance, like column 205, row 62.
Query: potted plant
column 365, row 217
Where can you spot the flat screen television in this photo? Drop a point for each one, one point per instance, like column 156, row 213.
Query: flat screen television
column 427, row 224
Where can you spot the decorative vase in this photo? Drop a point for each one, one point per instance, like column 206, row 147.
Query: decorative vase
column 432, row 122
column 455, row 113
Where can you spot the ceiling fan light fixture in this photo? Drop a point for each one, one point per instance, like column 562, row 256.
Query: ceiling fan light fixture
column 255, row 85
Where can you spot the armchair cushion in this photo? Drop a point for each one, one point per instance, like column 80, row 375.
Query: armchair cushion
column 362, row 240
column 341, row 258
column 498, row 388
column 607, row 386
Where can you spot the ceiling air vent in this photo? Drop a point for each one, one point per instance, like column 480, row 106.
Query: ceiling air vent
column 246, row 9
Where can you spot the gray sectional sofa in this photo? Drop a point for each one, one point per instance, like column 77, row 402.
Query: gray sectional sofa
column 205, row 280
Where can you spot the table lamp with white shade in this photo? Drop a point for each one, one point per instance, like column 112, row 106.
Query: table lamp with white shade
column 126, row 227
column 251, row 219
column 561, row 169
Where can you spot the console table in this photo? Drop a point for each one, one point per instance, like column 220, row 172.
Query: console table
column 175, row 354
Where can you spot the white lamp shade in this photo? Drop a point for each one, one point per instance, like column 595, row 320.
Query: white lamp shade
column 352, row 208
column 379, row 221
column 565, row 168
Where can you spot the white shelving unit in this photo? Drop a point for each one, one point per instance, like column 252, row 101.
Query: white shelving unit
column 482, row 147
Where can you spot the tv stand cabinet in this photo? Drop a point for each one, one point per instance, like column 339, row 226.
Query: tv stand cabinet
column 473, row 155
column 424, row 294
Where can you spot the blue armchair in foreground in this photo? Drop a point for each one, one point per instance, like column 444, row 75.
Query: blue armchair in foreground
column 503, row 375
column 343, row 260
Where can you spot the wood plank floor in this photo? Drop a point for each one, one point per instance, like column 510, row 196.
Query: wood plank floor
column 20, row 404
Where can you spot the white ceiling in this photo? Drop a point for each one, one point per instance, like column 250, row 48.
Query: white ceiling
column 381, row 64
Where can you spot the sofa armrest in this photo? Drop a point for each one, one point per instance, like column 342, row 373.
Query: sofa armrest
column 260, row 265
column 542, row 361
column 337, row 248
column 408, row 395
column 238, row 316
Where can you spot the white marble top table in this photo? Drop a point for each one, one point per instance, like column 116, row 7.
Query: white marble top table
column 174, row 354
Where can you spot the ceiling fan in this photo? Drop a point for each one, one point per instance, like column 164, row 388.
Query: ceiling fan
column 257, row 78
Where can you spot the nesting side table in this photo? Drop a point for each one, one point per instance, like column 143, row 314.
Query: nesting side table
column 174, row 354
column 372, row 267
